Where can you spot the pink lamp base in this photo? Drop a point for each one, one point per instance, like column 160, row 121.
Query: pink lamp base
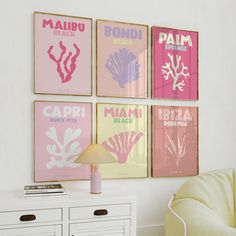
column 95, row 182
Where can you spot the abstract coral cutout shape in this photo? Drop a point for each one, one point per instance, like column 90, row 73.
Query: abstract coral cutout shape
column 122, row 144
column 175, row 70
column 177, row 149
column 63, row 154
column 65, row 66
column 123, row 66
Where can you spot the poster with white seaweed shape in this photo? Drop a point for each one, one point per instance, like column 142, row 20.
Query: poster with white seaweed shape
column 121, row 59
column 122, row 130
column 62, row 132
column 174, row 141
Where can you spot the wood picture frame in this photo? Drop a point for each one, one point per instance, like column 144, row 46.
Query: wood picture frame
column 63, row 54
column 174, row 141
column 122, row 130
column 122, row 61
column 174, row 64
column 62, row 131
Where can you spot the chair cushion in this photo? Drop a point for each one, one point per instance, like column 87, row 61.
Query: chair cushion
column 215, row 190
column 207, row 205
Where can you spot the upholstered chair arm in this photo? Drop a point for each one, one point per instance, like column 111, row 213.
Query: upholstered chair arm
column 198, row 218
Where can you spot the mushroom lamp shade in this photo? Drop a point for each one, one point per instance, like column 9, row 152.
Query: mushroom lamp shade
column 95, row 154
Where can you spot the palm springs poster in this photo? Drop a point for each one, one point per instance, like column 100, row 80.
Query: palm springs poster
column 174, row 141
column 174, row 64
column 62, row 131
column 122, row 130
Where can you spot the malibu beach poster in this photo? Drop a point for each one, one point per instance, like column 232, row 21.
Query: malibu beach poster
column 63, row 54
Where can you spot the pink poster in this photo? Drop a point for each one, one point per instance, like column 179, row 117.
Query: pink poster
column 62, row 131
column 174, row 64
column 63, row 54
column 174, row 141
column 121, row 59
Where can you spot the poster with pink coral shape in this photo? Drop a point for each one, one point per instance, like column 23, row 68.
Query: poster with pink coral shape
column 174, row 64
column 121, row 59
column 63, row 54
column 174, row 141
column 122, row 130
column 62, row 131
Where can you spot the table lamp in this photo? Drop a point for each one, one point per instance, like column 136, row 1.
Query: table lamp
column 95, row 154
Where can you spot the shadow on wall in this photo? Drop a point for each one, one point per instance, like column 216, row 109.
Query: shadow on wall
column 151, row 230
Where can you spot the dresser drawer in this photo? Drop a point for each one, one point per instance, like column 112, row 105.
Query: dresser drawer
column 91, row 212
column 101, row 228
column 30, row 216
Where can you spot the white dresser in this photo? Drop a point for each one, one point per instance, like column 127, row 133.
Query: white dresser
column 76, row 214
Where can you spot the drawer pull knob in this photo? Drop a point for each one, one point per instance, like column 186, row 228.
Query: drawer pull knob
column 27, row 218
column 100, row 212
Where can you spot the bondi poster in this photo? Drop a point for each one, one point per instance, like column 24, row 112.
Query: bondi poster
column 121, row 59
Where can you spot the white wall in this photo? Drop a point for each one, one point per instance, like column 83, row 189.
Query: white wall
column 216, row 22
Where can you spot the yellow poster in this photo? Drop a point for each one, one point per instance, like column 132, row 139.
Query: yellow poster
column 122, row 130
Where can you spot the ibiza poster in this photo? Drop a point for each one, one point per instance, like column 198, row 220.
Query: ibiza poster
column 122, row 130
column 62, row 131
column 174, row 64
column 63, row 54
column 121, row 59
column 174, row 141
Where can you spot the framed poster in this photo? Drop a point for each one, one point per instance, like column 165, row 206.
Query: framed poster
column 122, row 130
column 63, row 54
column 121, row 59
column 174, row 141
column 62, row 131
column 174, row 64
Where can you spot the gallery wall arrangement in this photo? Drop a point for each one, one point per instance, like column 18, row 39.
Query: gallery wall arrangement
column 63, row 66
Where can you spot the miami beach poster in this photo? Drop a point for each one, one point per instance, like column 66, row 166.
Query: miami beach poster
column 122, row 130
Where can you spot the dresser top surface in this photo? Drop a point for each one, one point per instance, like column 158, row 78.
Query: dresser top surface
column 16, row 199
